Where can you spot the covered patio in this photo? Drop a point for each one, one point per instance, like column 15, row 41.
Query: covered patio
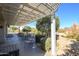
column 19, row 14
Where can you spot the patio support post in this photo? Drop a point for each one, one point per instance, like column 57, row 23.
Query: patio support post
column 2, row 39
column 19, row 29
column 5, row 29
column 53, row 35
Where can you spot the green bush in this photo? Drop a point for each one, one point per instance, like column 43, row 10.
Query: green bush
column 43, row 44
column 48, row 44
column 38, row 38
column 76, row 37
column 70, row 36
column 73, row 36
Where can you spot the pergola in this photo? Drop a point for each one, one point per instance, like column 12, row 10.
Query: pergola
column 22, row 13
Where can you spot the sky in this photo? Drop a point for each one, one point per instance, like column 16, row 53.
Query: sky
column 32, row 24
column 68, row 14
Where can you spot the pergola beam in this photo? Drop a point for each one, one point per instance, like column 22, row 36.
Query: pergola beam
column 11, row 11
column 27, row 5
column 47, row 6
column 31, row 12
column 26, row 15
column 21, row 9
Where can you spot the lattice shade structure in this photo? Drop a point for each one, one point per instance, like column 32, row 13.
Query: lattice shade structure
column 18, row 13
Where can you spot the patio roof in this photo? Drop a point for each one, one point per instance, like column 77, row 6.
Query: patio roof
column 22, row 13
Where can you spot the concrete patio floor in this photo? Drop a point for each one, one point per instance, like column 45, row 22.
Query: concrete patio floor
column 25, row 48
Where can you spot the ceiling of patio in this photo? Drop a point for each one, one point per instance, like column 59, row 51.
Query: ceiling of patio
column 22, row 13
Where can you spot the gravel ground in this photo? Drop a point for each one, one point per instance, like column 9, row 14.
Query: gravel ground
column 67, row 47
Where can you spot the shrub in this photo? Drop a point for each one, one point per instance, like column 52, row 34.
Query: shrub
column 73, row 36
column 70, row 36
column 38, row 38
column 26, row 29
column 48, row 44
column 43, row 44
column 77, row 37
